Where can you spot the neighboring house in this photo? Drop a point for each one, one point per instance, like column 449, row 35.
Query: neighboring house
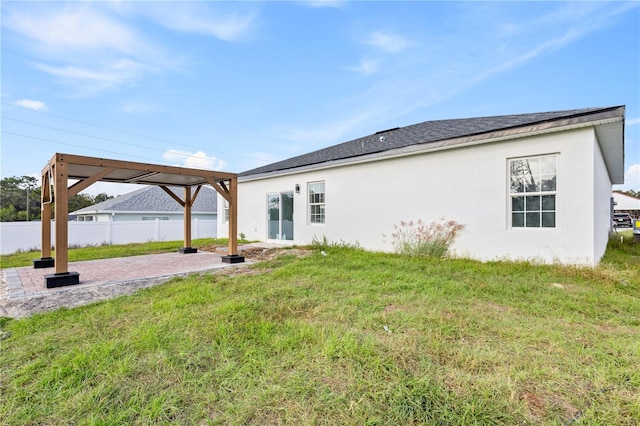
column 150, row 203
column 528, row 186
column 624, row 203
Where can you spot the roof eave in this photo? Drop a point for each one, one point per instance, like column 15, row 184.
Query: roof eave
column 612, row 145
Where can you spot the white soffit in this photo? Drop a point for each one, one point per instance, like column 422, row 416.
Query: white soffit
column 611, row 140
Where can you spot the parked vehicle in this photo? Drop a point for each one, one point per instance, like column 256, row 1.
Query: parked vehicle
column 622, row 220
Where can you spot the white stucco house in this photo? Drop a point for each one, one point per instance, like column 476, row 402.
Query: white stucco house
column 527, row 186
column 149, row 203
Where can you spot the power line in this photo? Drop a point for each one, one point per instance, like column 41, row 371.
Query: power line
column 126, row 132
column 79, row 146
column 105, row 139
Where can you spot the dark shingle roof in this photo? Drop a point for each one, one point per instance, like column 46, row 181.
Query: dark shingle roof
column 154, row 199
column 416, row 134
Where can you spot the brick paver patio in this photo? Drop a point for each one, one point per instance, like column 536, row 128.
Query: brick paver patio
column 28, row 281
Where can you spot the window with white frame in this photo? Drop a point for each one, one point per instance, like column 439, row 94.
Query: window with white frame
column 533, row 186
column 226, row 211
column 316, row 202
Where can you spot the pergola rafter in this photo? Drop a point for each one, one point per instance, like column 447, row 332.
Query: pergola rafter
column 89, row 170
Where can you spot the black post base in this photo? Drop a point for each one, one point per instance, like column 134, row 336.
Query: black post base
column 233, row 258
column 44, row 262
column 62, row 279
column 187, row 250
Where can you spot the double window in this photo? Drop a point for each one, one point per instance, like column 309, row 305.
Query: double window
column 316, row 202
column 533, row 182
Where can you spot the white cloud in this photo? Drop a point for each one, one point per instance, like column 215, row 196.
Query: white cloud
column 31, row 104
column 65, row 32
column 631, row 179
column 543, row 48
column 110, row 74
column 632, row 121
column 86, row 46
column 387, row 42
column 96, row 46
column 366, row 67
column 485, row 51
column 566, row 13
column 199, row 19
column 578, row 19
column 326, row 3
column 195, row 160
column 632, row 176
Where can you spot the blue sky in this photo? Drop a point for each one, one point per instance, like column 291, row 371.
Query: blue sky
column 232, row 86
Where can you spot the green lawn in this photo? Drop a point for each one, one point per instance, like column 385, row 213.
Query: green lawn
column 348, row 338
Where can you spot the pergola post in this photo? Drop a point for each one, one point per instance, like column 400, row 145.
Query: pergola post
column 62, row 276
column 233, row 256
column 45, row 261
column 187, row 203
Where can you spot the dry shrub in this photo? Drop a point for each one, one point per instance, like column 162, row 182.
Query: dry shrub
column 425, row 239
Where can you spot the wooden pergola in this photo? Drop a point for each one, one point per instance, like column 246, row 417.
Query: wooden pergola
column 89, row 170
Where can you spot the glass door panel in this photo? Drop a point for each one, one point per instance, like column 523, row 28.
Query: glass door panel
column 286, row 199
column 274, row 216
column 280, row 216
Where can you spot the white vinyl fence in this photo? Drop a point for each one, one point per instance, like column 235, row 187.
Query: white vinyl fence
column 15, row 236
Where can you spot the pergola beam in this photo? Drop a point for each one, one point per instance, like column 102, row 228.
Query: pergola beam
column 81, row 185
column 172, row 195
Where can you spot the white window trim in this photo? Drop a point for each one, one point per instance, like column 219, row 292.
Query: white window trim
column 309, row 204
column 556, row 192
column 225, row 212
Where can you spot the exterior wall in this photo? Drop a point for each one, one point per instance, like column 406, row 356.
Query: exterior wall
column 602, row 202
column 469, row 185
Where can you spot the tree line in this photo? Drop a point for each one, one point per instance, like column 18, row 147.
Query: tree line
column 20, row 199
column 631, row 192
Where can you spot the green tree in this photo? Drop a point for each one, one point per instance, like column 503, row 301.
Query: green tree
column 20, row 199
column 80, row 201
column 8, row 214
column 101, row 197
column 23, row 195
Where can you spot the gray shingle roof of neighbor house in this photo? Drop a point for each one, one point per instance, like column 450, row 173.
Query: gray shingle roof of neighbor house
column 154, row 199
column 439, row 133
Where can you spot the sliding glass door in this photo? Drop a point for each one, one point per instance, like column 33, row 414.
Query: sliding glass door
column 280, row 216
